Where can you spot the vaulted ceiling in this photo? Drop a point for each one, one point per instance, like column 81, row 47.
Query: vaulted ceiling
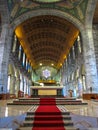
column 46, row 40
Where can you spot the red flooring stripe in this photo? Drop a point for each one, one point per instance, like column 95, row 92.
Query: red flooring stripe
column 50, row 111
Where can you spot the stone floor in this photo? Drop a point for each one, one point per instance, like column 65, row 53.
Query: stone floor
column 85, row 110
column 84, row 116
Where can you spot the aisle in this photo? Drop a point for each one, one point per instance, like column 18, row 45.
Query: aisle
column 48, row 116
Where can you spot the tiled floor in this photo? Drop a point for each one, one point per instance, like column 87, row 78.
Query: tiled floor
column 86, row 110
column 81, row 114
column 6, row 111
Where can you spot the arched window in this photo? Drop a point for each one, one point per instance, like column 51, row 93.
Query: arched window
column 21, row 82
column 28, row 67
column 73, row 51
column 72, row 76
column 19, row 54
column 79, row 44
column 68, row 59
column 23, row 61
column 24, row 85
column 8, row 84
column 14, row 44
column 26, row 64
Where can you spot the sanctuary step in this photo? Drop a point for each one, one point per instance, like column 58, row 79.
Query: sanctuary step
column 49, row 123
column 32, row 117
column 48, row 119
column 50, row 113
column 37, row 103
column 46, row 101
column 47, row 116
column 57, row 98
column 66, row 128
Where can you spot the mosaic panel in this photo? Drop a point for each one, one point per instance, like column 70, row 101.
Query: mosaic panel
column 77, row 8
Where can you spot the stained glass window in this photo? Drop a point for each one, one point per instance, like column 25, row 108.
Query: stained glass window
column 46, row 73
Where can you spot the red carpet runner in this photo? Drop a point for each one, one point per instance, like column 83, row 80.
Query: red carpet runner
column 48, row 116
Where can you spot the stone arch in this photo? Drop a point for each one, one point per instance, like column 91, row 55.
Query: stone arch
column 53, row 12
column 85, row 29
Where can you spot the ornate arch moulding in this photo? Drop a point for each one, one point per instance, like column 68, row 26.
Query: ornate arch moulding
column 52, row 12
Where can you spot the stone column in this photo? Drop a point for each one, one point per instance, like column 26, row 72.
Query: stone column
column 89, row 60
column 5, row 45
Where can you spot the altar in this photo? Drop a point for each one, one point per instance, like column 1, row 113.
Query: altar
column 46, row 90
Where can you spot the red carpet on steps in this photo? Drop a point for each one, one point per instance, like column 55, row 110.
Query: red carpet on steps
column 48, row 116
column 47, row 101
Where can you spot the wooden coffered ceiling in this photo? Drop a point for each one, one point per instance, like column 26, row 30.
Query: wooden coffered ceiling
column 46, row 39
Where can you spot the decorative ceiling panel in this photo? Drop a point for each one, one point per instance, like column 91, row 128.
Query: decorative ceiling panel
column 76, row 8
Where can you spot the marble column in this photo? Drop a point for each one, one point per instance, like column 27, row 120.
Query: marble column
column 5, row 45
column 89, row 60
